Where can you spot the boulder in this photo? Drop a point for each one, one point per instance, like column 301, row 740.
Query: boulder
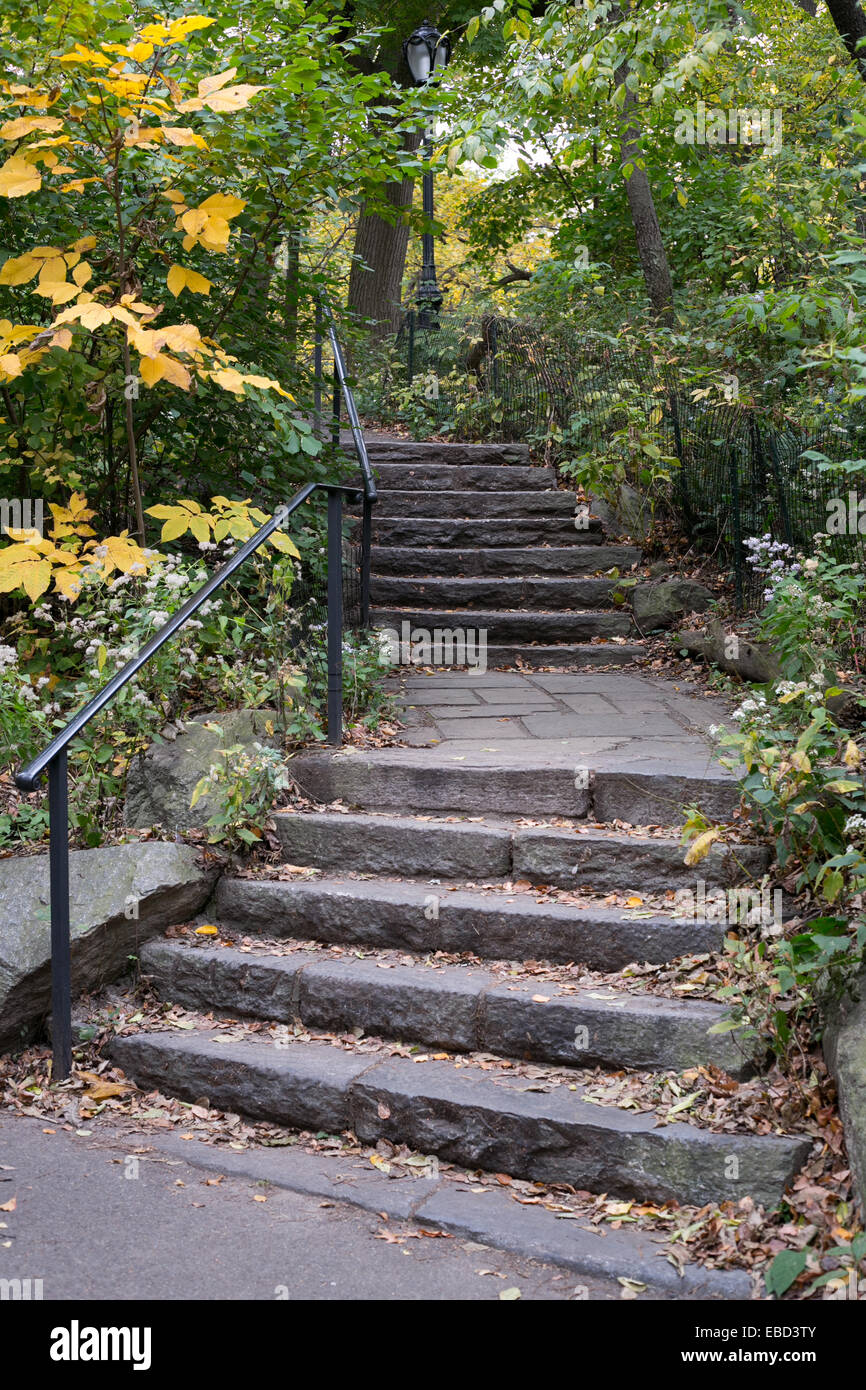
column 119, row 897
column 662, row 604
column 751, row 661
column 844, row 1046
column 161, row 781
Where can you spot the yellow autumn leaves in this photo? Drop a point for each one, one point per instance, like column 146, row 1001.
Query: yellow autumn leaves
column 132, row 74
column 236, row 519
column 32, row 561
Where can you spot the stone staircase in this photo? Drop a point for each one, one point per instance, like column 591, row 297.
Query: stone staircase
column 475, row 536
column 422, row 923
column 417, row 884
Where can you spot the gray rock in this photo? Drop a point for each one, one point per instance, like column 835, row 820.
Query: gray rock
column 845, row 1051
column 160, row 882
column 606, row 861
column 661, row 605
column 751, row 661
column 161, row 781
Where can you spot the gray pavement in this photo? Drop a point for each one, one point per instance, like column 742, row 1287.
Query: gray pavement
column 172, row 1232
column 557, row 717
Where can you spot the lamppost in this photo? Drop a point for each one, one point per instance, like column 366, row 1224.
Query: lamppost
column 426, row 53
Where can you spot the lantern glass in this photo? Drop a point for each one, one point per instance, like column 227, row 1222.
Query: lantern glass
column 418, row 58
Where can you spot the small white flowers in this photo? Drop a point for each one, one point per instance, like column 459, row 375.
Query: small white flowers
column 854, row 824
column 811, row 565
column 8, row 657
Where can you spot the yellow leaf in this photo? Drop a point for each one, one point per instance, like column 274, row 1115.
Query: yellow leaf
column 19, row 269
column 36, row 578
column 212, row 84
column 176, row 279
column 700, row 847
column 18, row 177
column 179, row 28
column 800, row 761
column 59, row 293
column 200, row 528
column 67, row 582
column 194, row 221
column 207, row 929
column 224, row 205
column 232, row 98
column 10, row 363
column 229, row 380
column 82, row 273
column 62, row 339
column 183, row 137
column 182, row 337
column 23, row 125
column 283, row 543
column 851, row 756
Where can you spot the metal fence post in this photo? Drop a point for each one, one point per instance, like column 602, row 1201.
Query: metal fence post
column 335, row 617
column 61, row 952
column 410, row 366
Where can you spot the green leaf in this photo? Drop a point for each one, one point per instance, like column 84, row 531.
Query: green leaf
column 786, row 1267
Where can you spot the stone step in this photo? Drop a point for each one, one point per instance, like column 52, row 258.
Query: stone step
column 461, row 1008
column 437, row 451
column 525, row 561
column 513, row 505
column 404, row 779
column 478, row 531
column 444, row 477
column 422, row 917
column 465, row 1115
column 557, row 593
column 601, row 860
column 568, row 656
column 504, row 628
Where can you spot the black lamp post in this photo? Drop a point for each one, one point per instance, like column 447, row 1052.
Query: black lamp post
column 427, row 52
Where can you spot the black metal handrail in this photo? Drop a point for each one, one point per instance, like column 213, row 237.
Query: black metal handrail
column 53, row 758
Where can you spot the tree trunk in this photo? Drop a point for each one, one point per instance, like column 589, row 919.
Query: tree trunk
column 650, row 247
column 376, row 278
column 851, row 23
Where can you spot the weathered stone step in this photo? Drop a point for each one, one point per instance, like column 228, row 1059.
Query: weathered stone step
column 556, row 593
column 584, row 857
column 526, row 560
column 503, row 627
column 474, row 477
column 492, row 505
column 437, row 451
column 478, row 531
column 575, row 656
column 465, row 1116
column 418, row 917
column 461, row 1008
column 404, row 779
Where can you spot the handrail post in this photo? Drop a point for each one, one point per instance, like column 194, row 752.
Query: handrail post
column 317, row 366
column 335, row 617
column 61, row 953
column 366, row 559
column 335, row 418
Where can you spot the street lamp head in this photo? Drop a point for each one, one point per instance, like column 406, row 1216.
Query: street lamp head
column 426, row 53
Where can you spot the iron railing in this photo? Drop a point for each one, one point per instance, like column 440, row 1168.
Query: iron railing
column 53, row 758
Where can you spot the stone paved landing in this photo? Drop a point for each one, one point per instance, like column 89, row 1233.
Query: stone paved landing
column 556, row 717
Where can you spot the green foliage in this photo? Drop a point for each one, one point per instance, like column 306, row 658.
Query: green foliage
column 245, row 783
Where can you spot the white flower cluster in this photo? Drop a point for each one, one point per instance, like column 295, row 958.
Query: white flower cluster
column 8, row 657
column 754, row 708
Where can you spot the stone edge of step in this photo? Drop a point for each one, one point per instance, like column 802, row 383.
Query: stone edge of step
column 492, row 1219
column 463, row 1009
column 321, row 1087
